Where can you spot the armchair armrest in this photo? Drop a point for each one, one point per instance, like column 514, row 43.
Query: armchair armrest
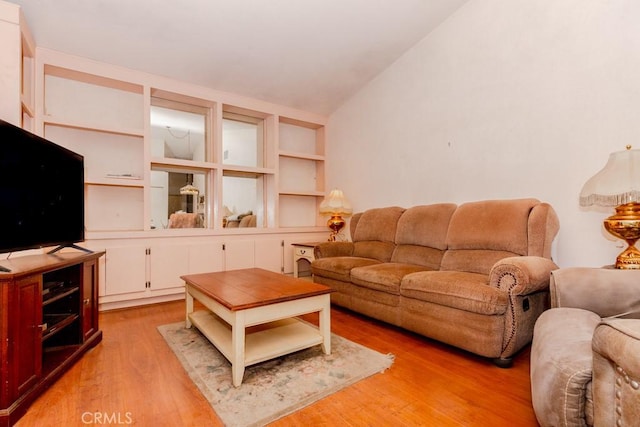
column 331, row 249
column 522, row 275
column 606, row 292
column 616, row 372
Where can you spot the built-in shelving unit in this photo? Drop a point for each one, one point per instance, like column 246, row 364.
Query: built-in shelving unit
column 105, row 117
column 301, row 172
column 101, row 118
column 104, row 112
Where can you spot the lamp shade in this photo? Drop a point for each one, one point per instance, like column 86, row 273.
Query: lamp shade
column 336, row 204
column 189, row 190
column 617, row 183
column 226, row 211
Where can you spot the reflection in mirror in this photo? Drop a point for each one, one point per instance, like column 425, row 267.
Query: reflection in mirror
column 178, row 199
column 178, row 134
column 242, row 140
column 242, row 200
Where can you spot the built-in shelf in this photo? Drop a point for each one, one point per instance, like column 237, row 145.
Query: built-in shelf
column 116, row 182
column 49, row 120
column 167, row 162
column 302, row 193
column 296, row 155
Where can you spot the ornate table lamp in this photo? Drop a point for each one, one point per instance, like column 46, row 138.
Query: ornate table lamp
column 191, row 194
column 618, row 185
column 336, row 205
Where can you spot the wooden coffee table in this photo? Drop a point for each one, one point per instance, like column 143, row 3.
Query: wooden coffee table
column 251, row 314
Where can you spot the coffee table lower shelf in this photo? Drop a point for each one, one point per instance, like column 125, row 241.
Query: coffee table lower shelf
column 262, row 342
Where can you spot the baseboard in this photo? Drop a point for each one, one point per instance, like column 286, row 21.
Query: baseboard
column 138, row 302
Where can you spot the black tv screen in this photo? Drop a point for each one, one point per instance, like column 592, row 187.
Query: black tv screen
column 41, row 192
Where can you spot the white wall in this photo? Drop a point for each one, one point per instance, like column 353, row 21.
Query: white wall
column 506, row 99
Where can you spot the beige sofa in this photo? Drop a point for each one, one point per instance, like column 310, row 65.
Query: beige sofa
column 241, row 221
column 585, row 355
column 475, row 276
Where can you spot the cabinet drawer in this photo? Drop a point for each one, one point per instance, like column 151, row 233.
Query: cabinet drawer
column 305, row 252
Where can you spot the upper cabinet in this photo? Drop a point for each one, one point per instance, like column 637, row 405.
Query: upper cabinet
column 161, row 154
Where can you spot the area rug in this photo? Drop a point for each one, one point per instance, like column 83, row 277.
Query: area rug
column 275, row 388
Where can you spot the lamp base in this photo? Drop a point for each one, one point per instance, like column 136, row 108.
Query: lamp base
column 625, row 224
column 629, row 259
column 335, row 223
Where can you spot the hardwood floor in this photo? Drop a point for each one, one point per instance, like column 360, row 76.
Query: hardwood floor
column 132, row 377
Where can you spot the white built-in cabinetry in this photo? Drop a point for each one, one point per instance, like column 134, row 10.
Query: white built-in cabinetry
column 103, row 112
column 143, row 270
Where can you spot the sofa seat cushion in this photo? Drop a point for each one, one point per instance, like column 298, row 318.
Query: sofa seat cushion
column 461, row 290
column 339, row 268
column 384, row 277
column 561, row 367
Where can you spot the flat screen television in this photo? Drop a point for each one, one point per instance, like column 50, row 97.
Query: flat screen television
column 41, row 192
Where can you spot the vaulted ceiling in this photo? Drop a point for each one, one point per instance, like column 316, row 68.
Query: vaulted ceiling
column 307, row 54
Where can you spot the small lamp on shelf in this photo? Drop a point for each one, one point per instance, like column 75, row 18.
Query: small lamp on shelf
column 191, row 194
column 336, row 205
column 618, row 185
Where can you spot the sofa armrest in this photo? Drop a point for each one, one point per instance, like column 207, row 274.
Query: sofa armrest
column 606, row 292
column 522, row 275
column 616, row 372
column 331, row 249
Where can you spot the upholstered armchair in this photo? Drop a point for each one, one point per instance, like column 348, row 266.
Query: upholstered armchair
column 585, row 354
column 185, row 220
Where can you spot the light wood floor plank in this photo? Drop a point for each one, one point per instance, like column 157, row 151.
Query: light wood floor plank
column 134, row 375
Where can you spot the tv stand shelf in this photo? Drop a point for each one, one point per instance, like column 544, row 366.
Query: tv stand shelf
column 48, row 320
column 57, row 295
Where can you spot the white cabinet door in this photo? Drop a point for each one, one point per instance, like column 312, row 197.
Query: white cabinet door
column 125, row 270
column 239, row 254
column 205, row 257
column 166, row 264
column 268, row 255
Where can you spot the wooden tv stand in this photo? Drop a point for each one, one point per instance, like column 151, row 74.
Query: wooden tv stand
column 48, row 320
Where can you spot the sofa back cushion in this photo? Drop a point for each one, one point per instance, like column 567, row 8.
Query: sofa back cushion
column 482, row 233
column 353, row 224
column 421, row 235
column 543, row 228
column 374, row 233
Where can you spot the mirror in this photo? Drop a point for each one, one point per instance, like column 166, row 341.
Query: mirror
column 177, row 199
column 178, row 195
column 242, row 140
column 177, row 134
column 242, row 195
column 242, row 192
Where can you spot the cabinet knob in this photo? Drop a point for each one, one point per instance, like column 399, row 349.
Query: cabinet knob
column 87, row 301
